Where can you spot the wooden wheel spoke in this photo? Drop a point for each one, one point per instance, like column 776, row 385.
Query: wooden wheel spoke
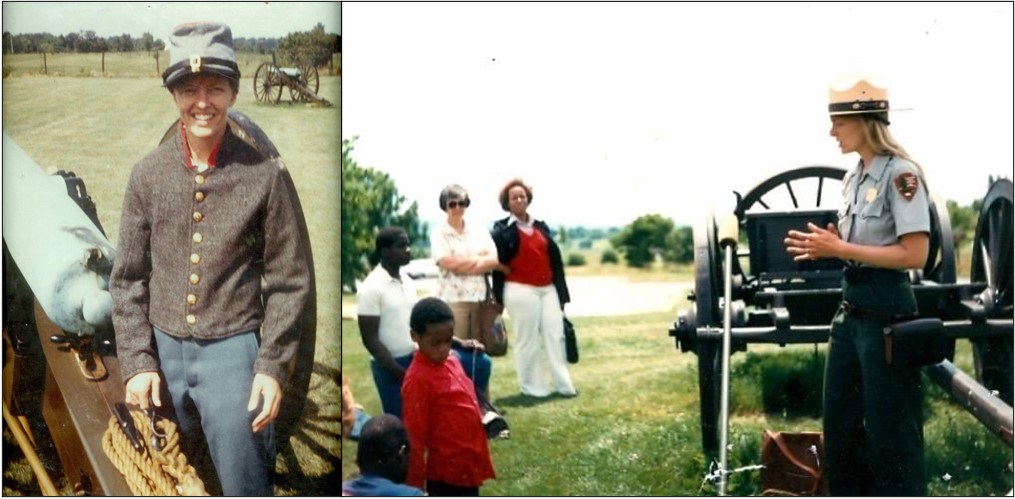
column 792, row 195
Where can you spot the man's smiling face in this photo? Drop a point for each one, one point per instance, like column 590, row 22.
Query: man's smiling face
column 203, row 100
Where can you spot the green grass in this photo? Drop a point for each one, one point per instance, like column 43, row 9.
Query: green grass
column 634, row 428
column 100, row 127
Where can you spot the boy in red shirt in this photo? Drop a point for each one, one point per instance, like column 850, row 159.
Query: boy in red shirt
column 447, row 442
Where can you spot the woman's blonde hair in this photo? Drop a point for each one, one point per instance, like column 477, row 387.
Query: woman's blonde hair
column 881, row 142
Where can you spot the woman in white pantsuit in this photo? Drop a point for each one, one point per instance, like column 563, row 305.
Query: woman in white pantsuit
column 534, row 293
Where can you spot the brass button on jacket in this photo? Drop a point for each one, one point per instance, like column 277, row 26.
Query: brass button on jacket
column 191, row 319
column 199, row 179
column 198, row 216
column 191, row 299
column 194, row 278
column 198, row 196
column 198, row 237
column 195, row 258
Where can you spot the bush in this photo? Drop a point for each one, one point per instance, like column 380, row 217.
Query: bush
column 789, row 382
column 609, row 256
column 575, row 260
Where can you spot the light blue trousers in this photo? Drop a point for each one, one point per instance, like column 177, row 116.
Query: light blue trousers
column 210, row 382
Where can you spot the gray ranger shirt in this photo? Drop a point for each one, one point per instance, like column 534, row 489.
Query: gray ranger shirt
column 884, row 203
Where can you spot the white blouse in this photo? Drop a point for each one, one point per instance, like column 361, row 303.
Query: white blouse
column 446, row 241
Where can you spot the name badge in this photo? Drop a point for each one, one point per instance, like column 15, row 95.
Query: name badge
column 871, row 194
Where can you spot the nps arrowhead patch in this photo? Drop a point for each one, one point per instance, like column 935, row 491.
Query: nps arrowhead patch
column 907, row 184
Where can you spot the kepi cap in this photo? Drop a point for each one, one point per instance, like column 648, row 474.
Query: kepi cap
column 200, row 47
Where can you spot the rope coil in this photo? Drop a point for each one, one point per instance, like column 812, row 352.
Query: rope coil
column 150, row 472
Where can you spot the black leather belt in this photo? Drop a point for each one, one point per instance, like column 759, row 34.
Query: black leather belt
column 862, row 313
column 855, row 274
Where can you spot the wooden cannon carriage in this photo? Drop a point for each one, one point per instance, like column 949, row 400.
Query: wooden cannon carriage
column 303, row 82
column 775, row 300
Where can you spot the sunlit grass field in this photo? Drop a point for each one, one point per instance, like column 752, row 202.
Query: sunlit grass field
column 634, row 428
column 100, row 127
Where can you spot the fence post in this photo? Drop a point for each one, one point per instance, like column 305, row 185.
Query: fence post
column 45, row 69
column 157, row 71
column 103, row 62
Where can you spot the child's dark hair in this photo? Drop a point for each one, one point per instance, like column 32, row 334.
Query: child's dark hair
column 381, row 440
column 428, row 311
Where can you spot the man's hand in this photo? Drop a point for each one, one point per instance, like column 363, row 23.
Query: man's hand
column 472, row 345
column 140, row 386
column 267, row 386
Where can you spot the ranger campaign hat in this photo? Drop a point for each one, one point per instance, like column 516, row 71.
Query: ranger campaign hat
column 858, row 96
column 200, row 47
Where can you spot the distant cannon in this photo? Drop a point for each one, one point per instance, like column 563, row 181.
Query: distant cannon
column 777, row 300
column 303, row 82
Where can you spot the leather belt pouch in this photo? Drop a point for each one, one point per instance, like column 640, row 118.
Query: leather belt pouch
column 917, row 343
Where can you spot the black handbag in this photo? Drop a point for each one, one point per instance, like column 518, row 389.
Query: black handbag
column 570, row 342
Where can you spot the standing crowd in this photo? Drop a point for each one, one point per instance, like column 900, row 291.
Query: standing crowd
column 427, row 358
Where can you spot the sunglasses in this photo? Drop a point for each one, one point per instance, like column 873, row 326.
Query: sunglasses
column 455, row 204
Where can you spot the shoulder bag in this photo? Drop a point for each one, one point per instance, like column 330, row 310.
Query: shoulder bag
column 492, row 332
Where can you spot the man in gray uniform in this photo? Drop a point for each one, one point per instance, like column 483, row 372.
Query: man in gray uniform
column 212, row 273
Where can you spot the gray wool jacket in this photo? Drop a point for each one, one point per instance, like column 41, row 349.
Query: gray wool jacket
column 194, row 249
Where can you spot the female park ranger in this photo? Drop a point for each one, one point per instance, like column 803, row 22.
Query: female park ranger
column 872, row 422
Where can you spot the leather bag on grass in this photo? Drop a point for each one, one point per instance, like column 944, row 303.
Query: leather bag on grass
column 792, row 464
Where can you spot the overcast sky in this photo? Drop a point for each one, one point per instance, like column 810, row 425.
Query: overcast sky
column 615, row 110
column 246, row 19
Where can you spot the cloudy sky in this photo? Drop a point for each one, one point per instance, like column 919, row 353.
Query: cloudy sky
column 615, row 110
column 246, row 19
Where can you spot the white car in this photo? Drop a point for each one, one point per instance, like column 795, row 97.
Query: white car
column 422, row 268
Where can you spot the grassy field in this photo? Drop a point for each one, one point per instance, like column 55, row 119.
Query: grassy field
column 99, row 127
column 634, row 428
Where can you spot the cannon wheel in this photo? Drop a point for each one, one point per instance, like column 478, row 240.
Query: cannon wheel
column 992, row 264
column 308, row 78
column 707, row 286
column 267, row 83
column 940, row 266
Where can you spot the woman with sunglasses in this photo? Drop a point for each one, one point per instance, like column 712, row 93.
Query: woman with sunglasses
column 464, row 254
column 534, row 293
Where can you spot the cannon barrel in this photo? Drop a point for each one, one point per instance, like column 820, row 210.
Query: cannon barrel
column 65, row 259
column 980, row 402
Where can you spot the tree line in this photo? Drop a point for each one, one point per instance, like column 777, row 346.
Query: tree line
column 83, row 41
column 313, row 45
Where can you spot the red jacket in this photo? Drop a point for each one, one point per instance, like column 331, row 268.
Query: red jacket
column 447, row 442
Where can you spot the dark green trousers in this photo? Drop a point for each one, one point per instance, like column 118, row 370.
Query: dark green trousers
column 873, row 424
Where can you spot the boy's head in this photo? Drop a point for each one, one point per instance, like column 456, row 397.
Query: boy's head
column 384, row 448
column 432, row 326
